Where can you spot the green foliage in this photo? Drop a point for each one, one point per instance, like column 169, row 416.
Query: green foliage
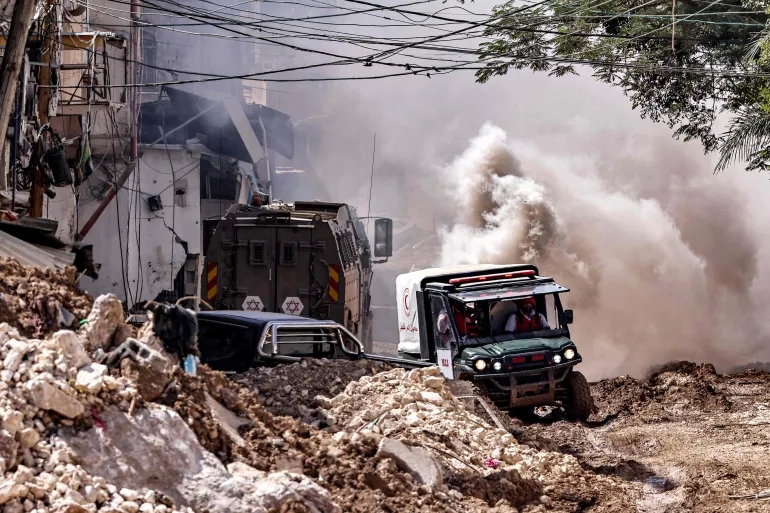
column 682, row 75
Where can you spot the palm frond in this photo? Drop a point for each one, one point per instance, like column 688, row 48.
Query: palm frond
column 747, row 135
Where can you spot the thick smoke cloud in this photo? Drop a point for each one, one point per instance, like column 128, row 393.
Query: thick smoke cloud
column 657, row 273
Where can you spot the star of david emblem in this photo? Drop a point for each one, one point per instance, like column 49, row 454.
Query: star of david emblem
column 292, row 307
column 253, row 304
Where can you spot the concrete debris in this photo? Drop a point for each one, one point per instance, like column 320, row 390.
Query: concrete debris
column 148, row 368
column 282, row 487
column 418, row 409
column 68, row 344
column 103, row 322
column 156, row 449
column 33, row 299
column 420, row 463
column 421, row 412
column 90, row 378
column 100, row 421
column 49, row 397
column 229, row 422
column 293, row 389
column 48, row 386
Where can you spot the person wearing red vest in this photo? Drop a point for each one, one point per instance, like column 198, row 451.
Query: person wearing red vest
column 466, row 322
column 526, row 319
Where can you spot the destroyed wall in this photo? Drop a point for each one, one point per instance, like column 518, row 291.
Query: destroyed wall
column 103, row 112
column 138, row 247
column 208, row 50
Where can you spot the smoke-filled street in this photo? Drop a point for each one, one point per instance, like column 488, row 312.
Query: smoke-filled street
column 366, row 256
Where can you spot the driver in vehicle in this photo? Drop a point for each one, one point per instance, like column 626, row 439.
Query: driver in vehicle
column 526, row 318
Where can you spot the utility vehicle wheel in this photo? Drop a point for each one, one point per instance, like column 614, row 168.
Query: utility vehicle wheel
column 579, row 402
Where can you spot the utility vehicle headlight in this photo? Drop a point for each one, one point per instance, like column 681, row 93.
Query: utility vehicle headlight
column 480, row 365
column 569, row 354
column 497, row 366
column 556, row 358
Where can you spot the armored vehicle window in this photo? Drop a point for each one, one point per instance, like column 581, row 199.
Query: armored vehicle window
column 288, row 253
column 257, row 252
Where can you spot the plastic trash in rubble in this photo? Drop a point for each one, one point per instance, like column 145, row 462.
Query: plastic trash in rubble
column 191, row 364
column 492, row 463
column 660, row 484
column 64, row 317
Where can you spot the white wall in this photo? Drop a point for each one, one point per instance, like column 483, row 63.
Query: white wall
column 151, row 257
column 63, row 208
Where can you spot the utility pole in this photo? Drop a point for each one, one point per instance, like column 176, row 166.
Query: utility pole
column 12, row 63
column 44, row 104
column 133, row 94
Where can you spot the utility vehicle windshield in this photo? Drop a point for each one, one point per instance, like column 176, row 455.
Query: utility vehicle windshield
column 520, row 317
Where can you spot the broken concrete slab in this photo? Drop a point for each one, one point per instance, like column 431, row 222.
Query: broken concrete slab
column 67, row 343
column 103, row 321
column 228, row 421
column 48, row 397
column 281, row 487
column 419, row 462
column 156, row 449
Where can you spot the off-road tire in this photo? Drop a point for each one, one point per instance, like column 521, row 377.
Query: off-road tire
column 580, row 404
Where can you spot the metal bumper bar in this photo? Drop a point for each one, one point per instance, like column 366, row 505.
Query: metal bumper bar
column 542, row 391
column 300, row 333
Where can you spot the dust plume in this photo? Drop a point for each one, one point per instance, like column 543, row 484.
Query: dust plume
column 655, row 276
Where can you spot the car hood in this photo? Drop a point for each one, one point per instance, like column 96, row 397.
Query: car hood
column 498, row 349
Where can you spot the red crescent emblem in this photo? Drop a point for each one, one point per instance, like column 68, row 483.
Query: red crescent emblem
column 406, row 302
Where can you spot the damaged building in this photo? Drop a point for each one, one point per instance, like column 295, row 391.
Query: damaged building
column 118, row 178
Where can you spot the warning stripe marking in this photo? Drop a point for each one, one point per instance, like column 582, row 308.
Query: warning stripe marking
column 211, row 282
column 334, row 282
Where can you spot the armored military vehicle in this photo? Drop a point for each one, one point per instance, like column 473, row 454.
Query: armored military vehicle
column 309, row 259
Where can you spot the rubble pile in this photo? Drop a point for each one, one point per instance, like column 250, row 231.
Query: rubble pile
column 350, row 465
column 78, row 437
column 481, row 460
column 676, row 386
column 291, row 389
column 46, row 386
column 37, row 301
column 99, row 421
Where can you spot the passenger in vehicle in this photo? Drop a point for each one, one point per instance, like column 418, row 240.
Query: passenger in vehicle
column 526, row 319
column 467, row 321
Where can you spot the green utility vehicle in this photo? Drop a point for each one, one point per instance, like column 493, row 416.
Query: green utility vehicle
column 476, row 323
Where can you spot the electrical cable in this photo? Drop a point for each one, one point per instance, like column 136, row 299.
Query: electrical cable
column 424, row 68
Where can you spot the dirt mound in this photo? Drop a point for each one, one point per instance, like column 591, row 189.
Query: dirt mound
column 342, row 462
column 418, row 408
column 291, row 389
column 674, row 387
column 32, row 299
